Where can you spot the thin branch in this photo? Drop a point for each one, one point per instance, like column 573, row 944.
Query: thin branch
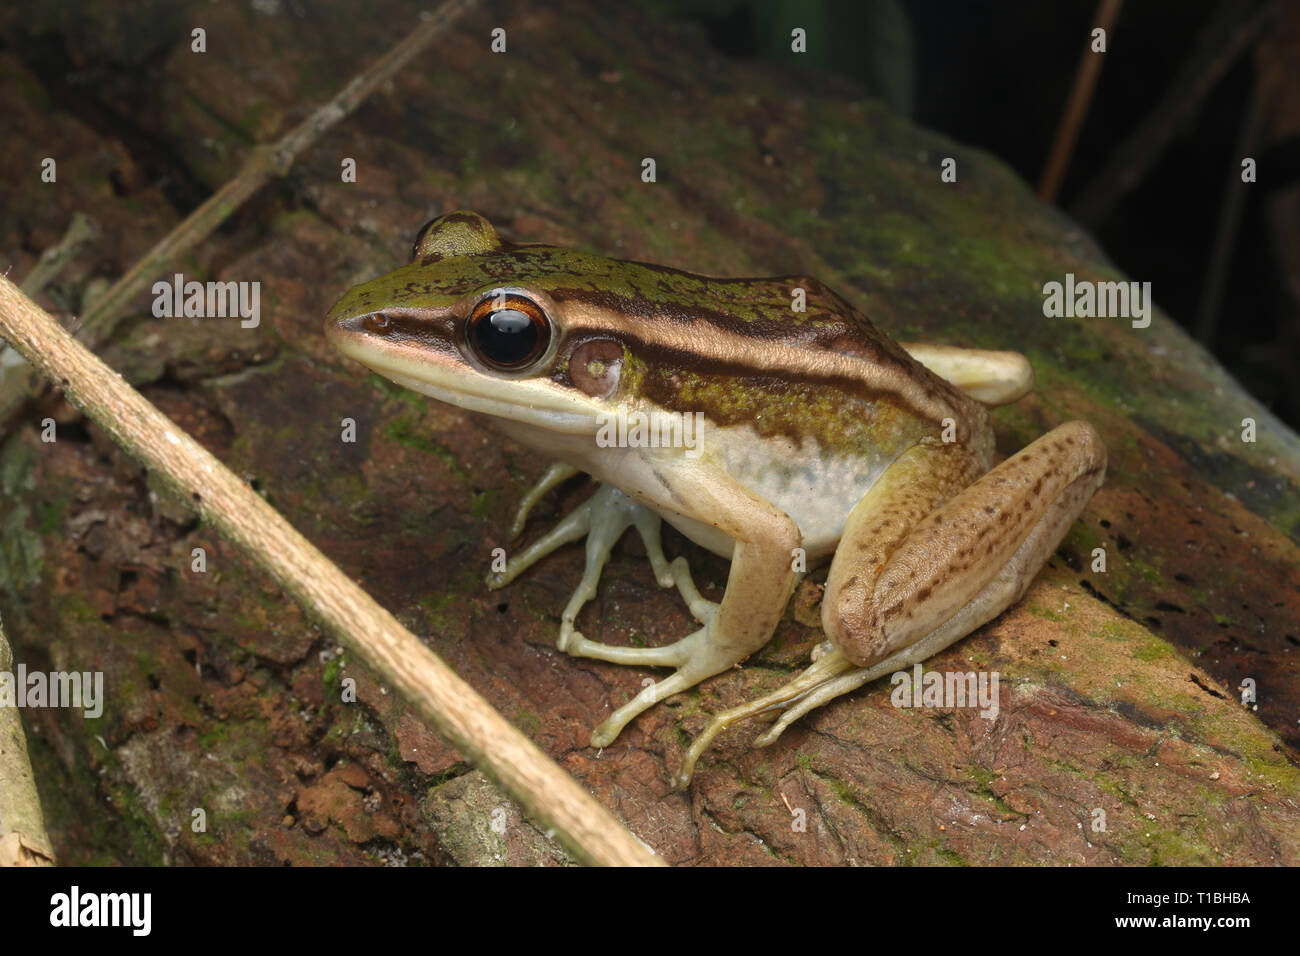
column 1229, row 33
column 81, row 231
column 1076, row 107
column 450, row 705
column 1225, row 236
column 23, row 840
column 263, row 163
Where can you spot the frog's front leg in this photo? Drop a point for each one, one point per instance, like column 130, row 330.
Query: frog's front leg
column 758, row 588
column 914, row 571
column 602, row 519
column 556, row 475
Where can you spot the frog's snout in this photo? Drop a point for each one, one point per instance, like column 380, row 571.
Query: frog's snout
column 347, row 326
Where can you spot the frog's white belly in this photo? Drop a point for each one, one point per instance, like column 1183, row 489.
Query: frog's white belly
column 816, row 488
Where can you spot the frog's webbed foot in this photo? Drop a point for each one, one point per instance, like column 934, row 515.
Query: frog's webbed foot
column 829, row 669
column 602, row 519
column 758, row 585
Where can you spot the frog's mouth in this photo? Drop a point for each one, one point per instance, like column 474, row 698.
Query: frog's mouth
column 434, row 366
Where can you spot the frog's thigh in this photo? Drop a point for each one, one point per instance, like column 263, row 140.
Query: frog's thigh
column 994, row 378
column 965, row 562
column 758, row 588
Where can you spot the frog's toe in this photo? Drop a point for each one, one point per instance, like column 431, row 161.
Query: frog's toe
column 829, row 670
column 697, row 657
column 569, row 638
column 682, row 679
column 824, row 693
column 554, row 476
column 702, row 609
column 604, row 735
column 669, row 655
column 607, row 515
column 575, row 525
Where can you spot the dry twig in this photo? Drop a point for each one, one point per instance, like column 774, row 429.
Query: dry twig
column 1229, row 34
column 1076, row 108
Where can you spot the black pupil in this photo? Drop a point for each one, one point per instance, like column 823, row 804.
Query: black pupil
column 506, row 336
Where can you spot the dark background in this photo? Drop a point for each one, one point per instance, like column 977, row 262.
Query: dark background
column 997, row 74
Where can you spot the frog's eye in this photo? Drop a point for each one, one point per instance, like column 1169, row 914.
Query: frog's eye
column 508, row 331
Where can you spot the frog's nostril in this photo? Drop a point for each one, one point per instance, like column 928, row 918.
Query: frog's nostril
column 377, row 322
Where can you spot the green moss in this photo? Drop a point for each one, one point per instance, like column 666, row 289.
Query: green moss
column 1046, row 613
column 406, row 433
column 21, row 549
column 451, row 773
column 1168, row 847
column 50, row 514
column 951, row 857
column 527, row 721
column 394, row 391
column 330, row 675
column 1115, row 631
column 984, row 790
column 1153, row 650
column 483, row 502
column 435, row 609
column 141, row 829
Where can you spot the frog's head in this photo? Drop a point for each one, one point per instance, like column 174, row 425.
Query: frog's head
column 471, row 321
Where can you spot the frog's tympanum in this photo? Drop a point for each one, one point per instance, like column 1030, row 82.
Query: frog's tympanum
column 765, row 419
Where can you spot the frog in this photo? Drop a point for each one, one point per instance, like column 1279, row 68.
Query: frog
column 767, row 420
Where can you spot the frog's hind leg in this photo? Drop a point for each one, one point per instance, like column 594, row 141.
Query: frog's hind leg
column 900, row 590
column 994, row 378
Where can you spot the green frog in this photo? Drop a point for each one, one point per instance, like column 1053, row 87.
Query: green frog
column 767, row 420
